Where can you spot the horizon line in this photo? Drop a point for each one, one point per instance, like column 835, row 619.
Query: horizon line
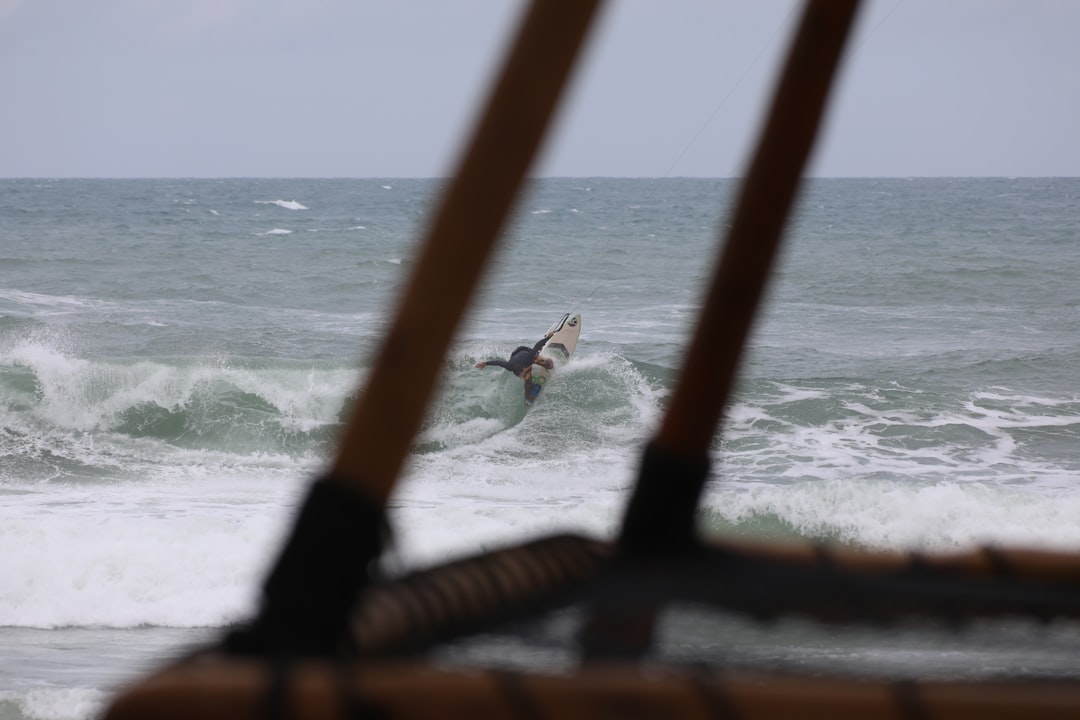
column 531, row 177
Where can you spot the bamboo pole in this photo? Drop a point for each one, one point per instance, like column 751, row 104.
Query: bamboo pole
column 317, row 691
column 676, row 464
column 323, row 567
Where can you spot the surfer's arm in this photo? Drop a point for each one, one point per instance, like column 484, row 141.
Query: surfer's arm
column 543, row 341
column 500, row 363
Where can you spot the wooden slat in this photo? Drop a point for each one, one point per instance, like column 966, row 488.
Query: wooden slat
column 214, row 689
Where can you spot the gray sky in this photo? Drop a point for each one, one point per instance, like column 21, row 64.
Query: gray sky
column 389, row 88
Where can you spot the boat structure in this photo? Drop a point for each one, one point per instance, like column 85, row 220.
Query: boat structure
column 334, row 639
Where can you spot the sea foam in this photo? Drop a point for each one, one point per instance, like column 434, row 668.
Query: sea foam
column 287, row 204
column 55, row 703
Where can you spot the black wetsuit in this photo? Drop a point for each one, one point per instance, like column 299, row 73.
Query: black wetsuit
column 521, row 358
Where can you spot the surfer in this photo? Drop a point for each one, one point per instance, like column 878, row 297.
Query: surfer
column 522, row 360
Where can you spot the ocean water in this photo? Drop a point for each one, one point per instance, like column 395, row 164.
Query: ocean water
column 177, row 356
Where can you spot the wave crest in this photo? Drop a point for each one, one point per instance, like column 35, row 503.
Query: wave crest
column 206, row 403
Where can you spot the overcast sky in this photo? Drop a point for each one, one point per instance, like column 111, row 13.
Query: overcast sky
column 389, row 88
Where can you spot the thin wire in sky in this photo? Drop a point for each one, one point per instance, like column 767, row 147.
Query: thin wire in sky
column 723, row 101
column 772, row 41
column 864, row 37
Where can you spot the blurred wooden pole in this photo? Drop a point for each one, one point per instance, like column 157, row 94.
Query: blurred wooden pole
column 676, row 463
column 767, row 196
column 323, row 567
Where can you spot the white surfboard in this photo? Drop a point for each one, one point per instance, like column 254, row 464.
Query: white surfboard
column 559, row 348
